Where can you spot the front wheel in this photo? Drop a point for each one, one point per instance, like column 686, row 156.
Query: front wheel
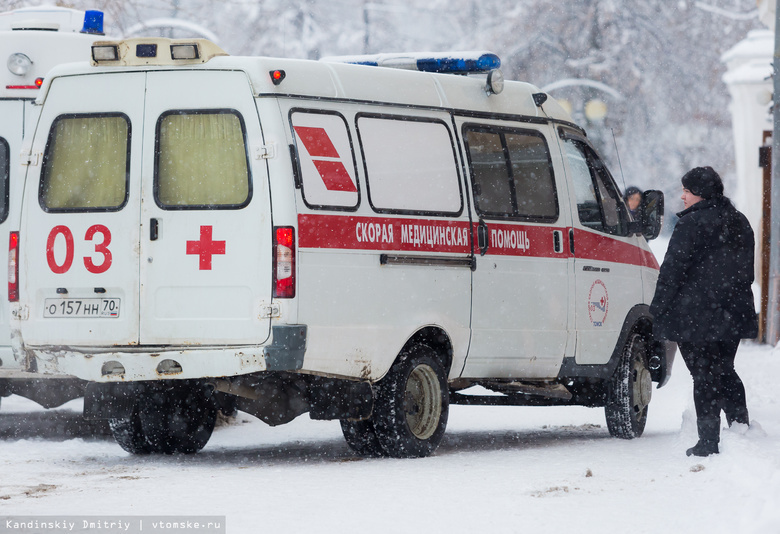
column 629, row 391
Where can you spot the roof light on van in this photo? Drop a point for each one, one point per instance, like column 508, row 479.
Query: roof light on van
column 93, row 22
column 105, row 53
column 184, row 51
column 19, row 64
column 145, row 51
column 277, row 76
column 36, row 85
column 495, row 82
column 449, row 62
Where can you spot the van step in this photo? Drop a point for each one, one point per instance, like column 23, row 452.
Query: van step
column 554, row 391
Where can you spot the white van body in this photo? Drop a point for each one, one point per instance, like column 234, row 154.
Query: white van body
column 32, row 41
column 284, row 236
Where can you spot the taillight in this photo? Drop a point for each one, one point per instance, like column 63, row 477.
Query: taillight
column 13, row 267
column 284, row 262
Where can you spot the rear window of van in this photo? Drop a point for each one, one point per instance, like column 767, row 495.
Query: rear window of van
column 86, row 163
column 201, row 160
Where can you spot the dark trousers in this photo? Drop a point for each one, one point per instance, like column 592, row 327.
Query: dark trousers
column 716, row 385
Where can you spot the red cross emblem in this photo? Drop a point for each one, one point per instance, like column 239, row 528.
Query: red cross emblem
column 205, row 248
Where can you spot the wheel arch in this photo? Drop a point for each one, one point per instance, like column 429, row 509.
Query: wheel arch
column 638, row 320
column 437, row 339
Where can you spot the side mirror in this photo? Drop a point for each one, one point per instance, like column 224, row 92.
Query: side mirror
column 651, row 214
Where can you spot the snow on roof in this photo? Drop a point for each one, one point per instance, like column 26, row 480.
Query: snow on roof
column 45, row 17
column 757, row 44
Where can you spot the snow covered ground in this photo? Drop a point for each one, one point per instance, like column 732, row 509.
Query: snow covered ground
column 499, row 469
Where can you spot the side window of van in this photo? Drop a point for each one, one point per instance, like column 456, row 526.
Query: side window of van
column 201, row 160
column 598, row 202
column 326, row 160
column 410, row 165
column 5, row 169
column 86, row 163
column 512, row 174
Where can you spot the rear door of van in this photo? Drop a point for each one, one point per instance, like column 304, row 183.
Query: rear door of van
column 205, row 241
column 148, row 222
column 79, row 231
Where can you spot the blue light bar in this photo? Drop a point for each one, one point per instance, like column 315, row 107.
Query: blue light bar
column 446, row 62
column 484, row 63
column 93, row 22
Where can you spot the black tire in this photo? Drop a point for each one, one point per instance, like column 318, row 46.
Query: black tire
column 412, row 404
column 361, row 438
column 128, row 433
column 629, row 391
column 168, row 419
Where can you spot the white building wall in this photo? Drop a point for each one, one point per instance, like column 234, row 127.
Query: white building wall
column 749, row 82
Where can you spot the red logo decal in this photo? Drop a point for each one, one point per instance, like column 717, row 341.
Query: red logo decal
column 598, row 303
column 319, row 146
column 205, row 248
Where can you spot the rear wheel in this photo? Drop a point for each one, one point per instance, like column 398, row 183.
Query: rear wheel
column 361, row 438
column 629, row 391
column 128, row 433
column 168, row 419
column 410, row 413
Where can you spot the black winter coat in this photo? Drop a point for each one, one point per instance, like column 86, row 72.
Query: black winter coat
column 703, row 291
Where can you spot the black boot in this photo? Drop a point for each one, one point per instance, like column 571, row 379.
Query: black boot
column 740, row 415
column 709, row 435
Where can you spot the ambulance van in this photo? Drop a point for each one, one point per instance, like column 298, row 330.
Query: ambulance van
column 32, row 41
column 367, row 240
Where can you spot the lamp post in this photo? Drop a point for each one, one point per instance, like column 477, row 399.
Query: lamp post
column 591, row 104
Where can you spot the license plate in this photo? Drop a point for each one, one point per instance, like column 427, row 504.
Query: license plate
column 81, row 308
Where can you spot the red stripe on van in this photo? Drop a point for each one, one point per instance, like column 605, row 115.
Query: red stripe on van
column 335, row 176
column 317, row 142
column 433, row 235
column 525, row 240
column 595, row 246
column 383, row 233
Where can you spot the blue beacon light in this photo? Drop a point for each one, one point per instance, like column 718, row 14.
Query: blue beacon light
column 93, row 22
column 446, row 63
column 483, row 63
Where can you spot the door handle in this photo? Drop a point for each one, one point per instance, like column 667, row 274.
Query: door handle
column 483, row 241
column 154, row 229
column 571, row 241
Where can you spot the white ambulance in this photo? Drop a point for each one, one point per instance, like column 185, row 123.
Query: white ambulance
column 363, row 243
column 32, row 41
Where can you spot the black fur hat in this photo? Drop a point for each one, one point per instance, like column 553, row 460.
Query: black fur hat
column 703, row 182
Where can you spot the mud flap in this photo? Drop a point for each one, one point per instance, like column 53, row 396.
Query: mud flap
column 340, row 399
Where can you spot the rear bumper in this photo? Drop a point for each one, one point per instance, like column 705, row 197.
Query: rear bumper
column 285, row 352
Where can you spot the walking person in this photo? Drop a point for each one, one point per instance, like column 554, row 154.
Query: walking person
column 704, row 301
